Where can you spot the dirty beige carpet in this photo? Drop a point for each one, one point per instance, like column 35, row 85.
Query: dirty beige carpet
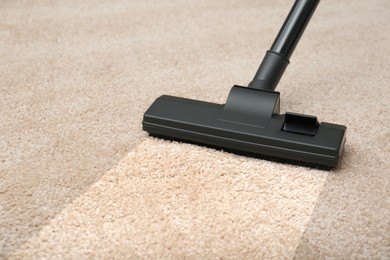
column 79, row 179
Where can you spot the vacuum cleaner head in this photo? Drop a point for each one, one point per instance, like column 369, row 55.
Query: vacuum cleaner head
column 292, row 137
column 249, row 123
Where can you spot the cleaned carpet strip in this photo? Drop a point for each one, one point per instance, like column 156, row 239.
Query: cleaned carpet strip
column 166, row 199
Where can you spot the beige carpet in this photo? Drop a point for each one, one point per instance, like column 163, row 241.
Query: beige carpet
column 79, row 178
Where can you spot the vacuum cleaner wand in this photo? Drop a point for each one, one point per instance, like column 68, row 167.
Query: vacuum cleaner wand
column 277, row 58
column 249, row 123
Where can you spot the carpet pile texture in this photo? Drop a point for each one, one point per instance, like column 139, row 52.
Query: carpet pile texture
column 79, row 178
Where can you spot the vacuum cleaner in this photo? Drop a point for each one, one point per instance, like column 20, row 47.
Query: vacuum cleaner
column 250, row 122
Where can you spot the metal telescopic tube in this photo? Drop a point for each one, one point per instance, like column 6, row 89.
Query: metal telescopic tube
column 277, row 58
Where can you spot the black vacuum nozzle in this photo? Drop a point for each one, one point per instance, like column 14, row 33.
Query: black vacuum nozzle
column 249, row 123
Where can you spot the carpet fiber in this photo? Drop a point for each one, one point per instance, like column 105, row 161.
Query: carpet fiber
column 79, row 178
